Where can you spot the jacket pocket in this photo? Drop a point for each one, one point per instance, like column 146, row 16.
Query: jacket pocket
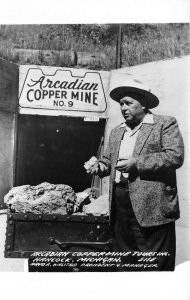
column 171, row 192
column 169, row 204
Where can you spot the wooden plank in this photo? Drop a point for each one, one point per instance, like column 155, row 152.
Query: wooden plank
column 9, row 76
column 6, row 154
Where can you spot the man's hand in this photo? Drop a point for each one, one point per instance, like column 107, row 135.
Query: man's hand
column 126, row 165
column 93, row 170
column 92, row 166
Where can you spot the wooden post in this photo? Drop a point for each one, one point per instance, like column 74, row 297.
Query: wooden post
column 119, row 48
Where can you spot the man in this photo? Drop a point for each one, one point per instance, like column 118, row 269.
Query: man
column 142, row 156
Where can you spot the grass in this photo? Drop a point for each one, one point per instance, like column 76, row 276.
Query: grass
column 163, row 43
column 141, row 43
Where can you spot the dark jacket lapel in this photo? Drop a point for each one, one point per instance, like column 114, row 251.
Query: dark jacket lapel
column 142, row 136
column 118, row 138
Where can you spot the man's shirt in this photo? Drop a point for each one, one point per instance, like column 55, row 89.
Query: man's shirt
column 128, row 142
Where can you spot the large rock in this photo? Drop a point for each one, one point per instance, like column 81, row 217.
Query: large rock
column 96, row 206
column 44, row 198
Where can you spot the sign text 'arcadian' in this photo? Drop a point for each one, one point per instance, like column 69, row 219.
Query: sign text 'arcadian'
column 59, row 91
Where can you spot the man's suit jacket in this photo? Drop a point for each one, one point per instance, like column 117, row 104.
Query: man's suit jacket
column 159, row 151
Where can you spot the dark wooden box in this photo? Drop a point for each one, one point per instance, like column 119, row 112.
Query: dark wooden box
column 27, row 233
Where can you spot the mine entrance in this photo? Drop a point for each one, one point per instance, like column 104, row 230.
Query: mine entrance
column 54, row 149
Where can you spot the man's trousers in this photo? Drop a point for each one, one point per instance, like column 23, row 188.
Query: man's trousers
column 130, row 236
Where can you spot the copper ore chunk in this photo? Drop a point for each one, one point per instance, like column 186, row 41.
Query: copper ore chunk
column 90, row 164
column 97, row 207
column 45, row 198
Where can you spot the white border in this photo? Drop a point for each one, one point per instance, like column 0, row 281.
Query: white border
column 106, row 286
column 93, row 11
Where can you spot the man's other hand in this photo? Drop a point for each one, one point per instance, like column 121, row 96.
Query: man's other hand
column 126, row 165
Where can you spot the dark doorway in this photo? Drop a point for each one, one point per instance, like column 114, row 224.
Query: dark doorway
column 54, row 149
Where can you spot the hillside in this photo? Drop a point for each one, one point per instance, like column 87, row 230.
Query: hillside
column 93, row 45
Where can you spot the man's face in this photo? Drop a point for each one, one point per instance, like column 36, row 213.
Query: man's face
column 132, row 110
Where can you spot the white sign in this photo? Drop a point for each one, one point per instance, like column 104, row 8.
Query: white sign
column 63, row 91
column 91, row 119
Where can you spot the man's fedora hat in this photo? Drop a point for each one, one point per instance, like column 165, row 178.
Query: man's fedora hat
column 136, row 89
